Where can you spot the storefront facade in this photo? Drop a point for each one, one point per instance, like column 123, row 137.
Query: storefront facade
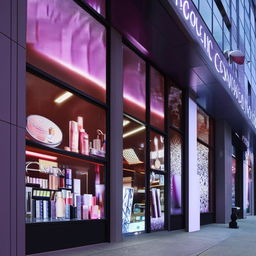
column 118, row 128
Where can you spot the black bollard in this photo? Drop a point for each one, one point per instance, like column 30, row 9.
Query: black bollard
column 233, row 223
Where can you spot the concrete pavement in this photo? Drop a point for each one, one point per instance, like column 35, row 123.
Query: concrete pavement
column 211, row 240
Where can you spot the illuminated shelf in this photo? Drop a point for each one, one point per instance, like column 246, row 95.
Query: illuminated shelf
column 92, row 159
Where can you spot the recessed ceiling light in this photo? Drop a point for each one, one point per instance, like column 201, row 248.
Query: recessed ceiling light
column 63, row 97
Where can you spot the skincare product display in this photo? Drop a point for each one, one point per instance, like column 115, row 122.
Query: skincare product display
column 44, row 131
column 79, row 140
column 42, row 205
column 58, row 195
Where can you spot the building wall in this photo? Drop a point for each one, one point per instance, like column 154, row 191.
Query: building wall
column 12, row 125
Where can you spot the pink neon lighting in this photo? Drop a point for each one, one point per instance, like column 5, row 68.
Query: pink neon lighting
column 142, row 105
column 137, row 44
column 78, row 71
column 39, row 155
column 65, row 33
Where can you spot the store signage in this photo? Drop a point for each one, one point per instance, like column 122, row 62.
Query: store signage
column 190, row 14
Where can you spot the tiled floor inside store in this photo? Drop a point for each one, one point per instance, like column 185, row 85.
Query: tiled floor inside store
column 211, row 240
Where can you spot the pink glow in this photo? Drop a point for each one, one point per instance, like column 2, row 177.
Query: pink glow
column 39, row 155
column 67, row 34
column 78, row 71
column 135, row 101
column 137, row 44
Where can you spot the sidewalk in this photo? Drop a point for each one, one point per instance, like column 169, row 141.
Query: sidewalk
column 211, row 240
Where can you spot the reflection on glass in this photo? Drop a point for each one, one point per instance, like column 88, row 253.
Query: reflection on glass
column 233, row 182
column 175, row 106
column 98, row 5
column 203, row 173
column 57, row 118
column 133, row 212
column 156, row 99
column 176, row 172
column 156, row 151
column 60, row 188
column 203, row 124
column 157, row 201
column 249, row 178
column 66, row 42
column 134, row 84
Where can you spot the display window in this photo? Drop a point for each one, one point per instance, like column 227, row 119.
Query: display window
column 176, row 172
column 157, row 201
column 98, row 5
column 67, row 43
column 153, row 134
column 204, row 160
column 63, row 188
column 66, row 125
column 203, row 126
column 156, row 99
column 203, row 173
column 234, row 173
column 134, row 84
column 63, row 131
column 57, row 118
column 175, row 107
column 249, row 181
column 134, row 177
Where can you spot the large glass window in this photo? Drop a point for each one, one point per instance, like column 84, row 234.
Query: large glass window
column 134, row 84
column 62, row 188
column 145, row 146
column 157, row 201
column 175, row 107
column 176, row 148
column 156, row 99
column 66, row 42
column 176, row 171
column 134, row 157
column 203, row 126
column 203, row 173
column 234, row 173
column 66, row 113
column 204, row 153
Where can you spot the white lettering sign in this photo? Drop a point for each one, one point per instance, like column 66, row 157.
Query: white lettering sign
column 214, row 55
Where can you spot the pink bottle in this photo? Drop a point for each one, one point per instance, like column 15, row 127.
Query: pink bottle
column 73, row 136
column 84, row 142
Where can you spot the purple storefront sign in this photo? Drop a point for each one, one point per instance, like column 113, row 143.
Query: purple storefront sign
column 191, row 16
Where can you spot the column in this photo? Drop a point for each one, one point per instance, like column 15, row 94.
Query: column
column 12, row 126
column 116, row 136
column 223, row 167
column 192, row 181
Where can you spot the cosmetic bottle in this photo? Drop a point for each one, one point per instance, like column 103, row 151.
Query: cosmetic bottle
column 97, row 143
column 69, row 178
column 73, row 136
column 80, row 122
column 85, row 212
column 95, row 212
column 84, row 142
column 60, row 205
column 55, row 179
column 62, row 179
